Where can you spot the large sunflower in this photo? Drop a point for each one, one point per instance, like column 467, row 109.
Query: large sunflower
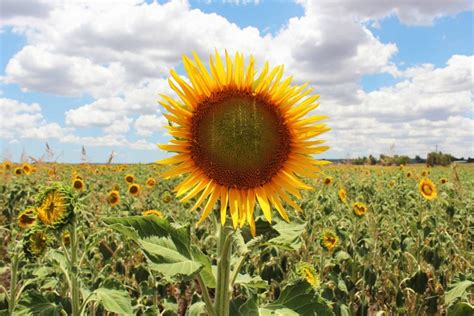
column 242, row 138
column 55, row 208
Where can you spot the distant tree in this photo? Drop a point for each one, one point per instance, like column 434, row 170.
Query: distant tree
column 371, row 160
column 439, row 159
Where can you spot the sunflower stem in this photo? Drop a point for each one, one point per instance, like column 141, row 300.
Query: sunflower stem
column 224, row 248
column 73, row 270
column 13, row 284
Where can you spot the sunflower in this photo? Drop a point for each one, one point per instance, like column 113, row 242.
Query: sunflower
column 27, row 169
column 409, row 174
column 342, row 195
column 7, row 165
column 391, row 183
column 150, row 182
column 113, row 198
column 443, row 180
column 307, row 272
column 27, row 218
column 134, row 189
column 55, row 206
column 359, row 209
column 129, row 178
column 166, row 197
column 329, row 240
column 328, row 181
column 425, row 173
column 35, row 243
column 427, row 189
column 18, row 171
column 78, row 184
column 153, row 212
column 241, row 139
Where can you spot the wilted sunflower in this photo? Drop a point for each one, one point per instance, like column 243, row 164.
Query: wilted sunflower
column 427, row 189
column 78, row 184
column 55, row 206
column 342, row 195
column 359, row 209
column 329, row 240
column 27, row 218
column 134, row 189
column 129, row 178
column 443, row 180
column 153, row 212
column 241, row 139
column 307, row 272
column 35, row 242
column 18, row 171
column 113, row 198
column 150, row 182
column 328, row 180
column 26, row 168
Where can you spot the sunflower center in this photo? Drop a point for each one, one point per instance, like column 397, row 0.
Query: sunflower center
column 239, row 140
column 427, row 189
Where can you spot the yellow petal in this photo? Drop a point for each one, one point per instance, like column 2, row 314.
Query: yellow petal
column 209, row 205
column 263, row 201
column 224, row 201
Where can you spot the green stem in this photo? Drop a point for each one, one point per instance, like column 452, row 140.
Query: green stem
column 13, row 284
column 205, row 296
column 224, row 248
column 74, row 270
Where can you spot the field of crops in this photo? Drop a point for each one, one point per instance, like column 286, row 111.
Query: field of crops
column 367, row 241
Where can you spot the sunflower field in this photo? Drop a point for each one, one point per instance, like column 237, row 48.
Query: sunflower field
column 115, row 240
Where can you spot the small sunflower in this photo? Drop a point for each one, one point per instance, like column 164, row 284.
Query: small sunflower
column 55, row 206
column 113, row 198
column 78, row 184
column 329, row 240
column 153, row 212
column 427, row 189
column 359, row 209
column 7, row 165
column 134, row 189
column 115, row 187
column 391, row 184
column 443, row 180
column 307, row 272
column 342, row 195
column 27, row 169
column 425, row 173
column 129, row 178
column 150, row 182
column 35, row 242
column 409, row 174
column 241, row 138
column 18, row 171
column 328, row 180
column 27, row 218
column 166, row 197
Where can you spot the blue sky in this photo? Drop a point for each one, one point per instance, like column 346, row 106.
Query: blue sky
column 403, row 74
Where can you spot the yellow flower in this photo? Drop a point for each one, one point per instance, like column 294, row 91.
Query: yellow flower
column 425, row 173
column 35, row 243
column 7, row 165
column 391, row 183
column 443, row 180
column 409, row 174
column 129, row 178
column 328, row 180
column 241, row 138
column 55, row 206
column 427, row 189
column 115, row 187
column 27, row 218
column 359, row 209
column 113, row 198
column 78, row 184
column 150, row 182
column 307, row 272
column 134, row 189
column 329, row 240
column 18, row 171
column 153, row 212
column 26, row 168
column 342, row 195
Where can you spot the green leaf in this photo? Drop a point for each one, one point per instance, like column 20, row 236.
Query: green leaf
column 197, row 309
column 461, row 309
column 251, row 282
column 249, row 308
column 289, row 234
column 206, row 272
column 33, row 303
column 116, row 301
column 299, row 298
column 458, row 291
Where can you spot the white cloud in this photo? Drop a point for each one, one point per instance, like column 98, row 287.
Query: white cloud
column 146, row 125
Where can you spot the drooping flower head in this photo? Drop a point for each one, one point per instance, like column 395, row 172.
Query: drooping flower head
column 27, row 218
column 241, row 137
column 35, row 242
column 307, row 272
column 342, row 195
column 153, row 212
column 55, row 206
column 427, row 189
